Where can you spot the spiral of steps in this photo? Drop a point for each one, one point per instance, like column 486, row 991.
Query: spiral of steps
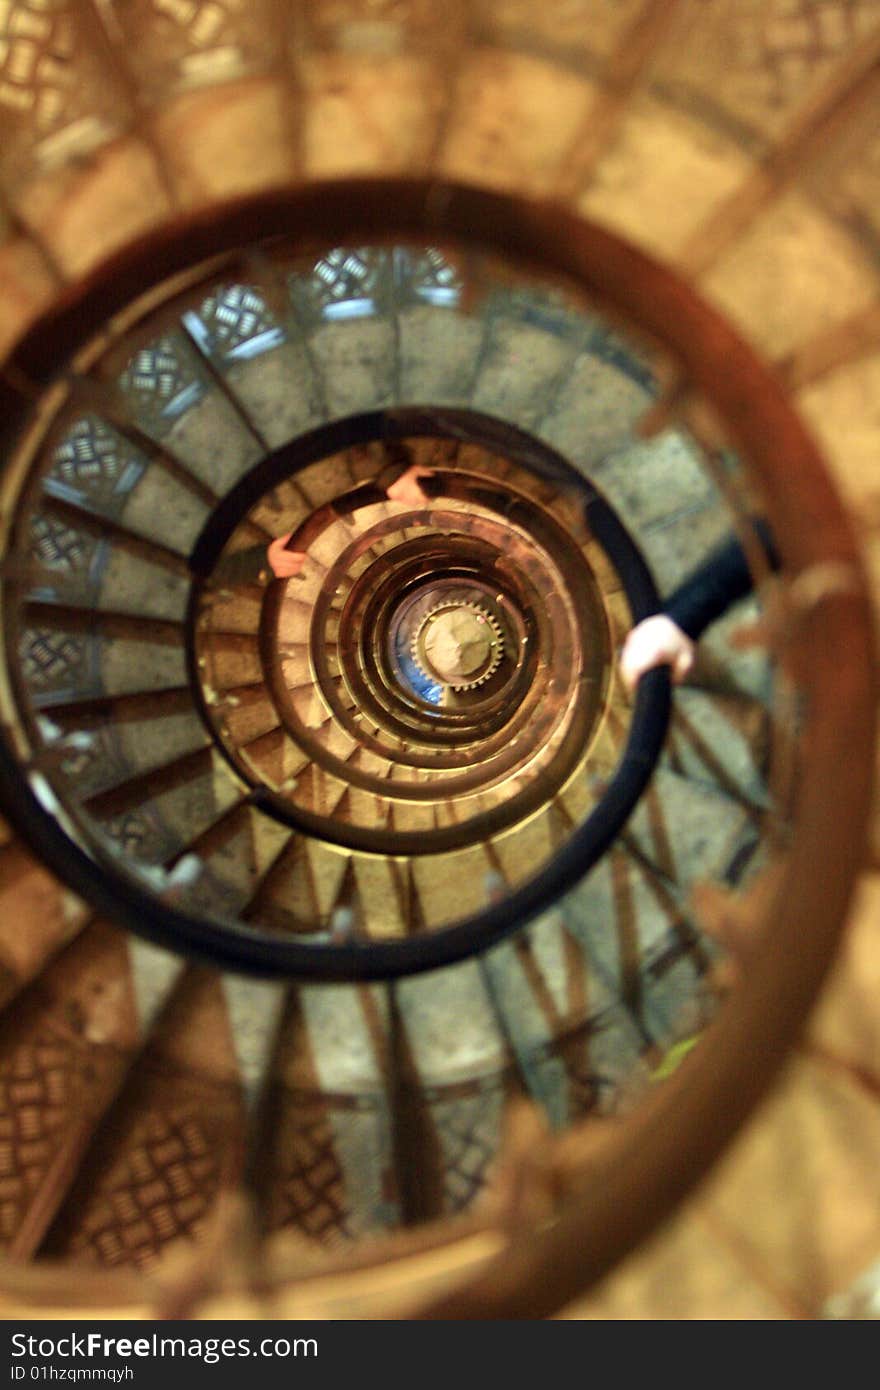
column 314, row 759
column 389, row 913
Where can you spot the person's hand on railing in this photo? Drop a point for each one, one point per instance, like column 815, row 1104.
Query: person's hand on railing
column 656, row 641
column 408, row 489
column 284, row 564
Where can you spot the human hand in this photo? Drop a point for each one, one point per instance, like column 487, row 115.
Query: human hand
column 284, row 563
column 656, row 641
column 407, row 488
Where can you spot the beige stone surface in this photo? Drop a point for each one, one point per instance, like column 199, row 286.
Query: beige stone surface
column 799, row 1190
column 27, row 288
column 226, row 140
column 37, row 916
column 84, row 212
column 685, row 1273
column 514, row 120
column 790, row 1217
column 843, row 410
column 662, row 175
column 847, row 1022
column 790, row 276
column 368, row 116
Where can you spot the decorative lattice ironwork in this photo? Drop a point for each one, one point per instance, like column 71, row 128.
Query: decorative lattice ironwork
column 427, row 276
column 51, row 660
column 195, row 41
column 235, row 323
column 162, row 380
column 59, row 96
column 93, row 462
column 34, row 68
column 159, row 1190
column 794, row 38
column 57, row 546
column 139, row 835
column 37, row 1080
column 310, row 1192
column 759, row 62
column 468, row 1127
column 344, row 283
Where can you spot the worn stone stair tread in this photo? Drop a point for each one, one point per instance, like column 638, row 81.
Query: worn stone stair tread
column 283, row 510
column 65, row 1054
column 128, row 584
column 546, row 992
column 357, row 361
column 344, row 1031
column 520, row 365
column 62, row 667
column 231, row 659
column 274, row 759
column 39, row 915
column 204, row 431
column 439, row 351
column 234, row 867
column 460, row 1076
column 173, row 1141
column 594, row 412
column 721, row 739
column 101, row 471
column 426, row 1004
column 653, row 481
column 685, row 828
column 675, row 546
column 254, row 1009
column 123, row 748
column 640, row 942
column 226, row 610
column 279, row 392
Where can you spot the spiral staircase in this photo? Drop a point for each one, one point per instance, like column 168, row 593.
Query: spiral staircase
column 368, row 949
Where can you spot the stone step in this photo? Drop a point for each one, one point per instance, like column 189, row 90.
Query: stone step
column 66, row 1047
column 328, row 1170
column 652, row 481
column 521, row 366
column 641, row 945
column 62, row 667
column 722, row 740
column 38, row 916
column 234, row 855
column 109, row 746
column 594, row 412
column 102, row 471
column 72, row 567
column 262, row 360
column 687, row 829
column 173, row 1142
column 578, row 1046
column 357, row 362
column 439, row 355
column 152, row 827
column 172, row 397
column 460, row 1079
